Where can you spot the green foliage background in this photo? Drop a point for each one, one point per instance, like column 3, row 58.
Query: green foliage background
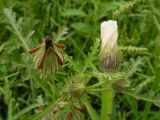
column 138, row 25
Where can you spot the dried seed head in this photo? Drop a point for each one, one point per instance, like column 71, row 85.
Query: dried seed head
column 76, row 112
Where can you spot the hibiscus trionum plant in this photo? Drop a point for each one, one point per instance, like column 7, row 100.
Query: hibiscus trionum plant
column 75, row 90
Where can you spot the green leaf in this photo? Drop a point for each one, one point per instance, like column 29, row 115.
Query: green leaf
column 105, row 8
column 38, row 116
column 82, row 27
column 145, row 97
column 74, row 12
column 25, row 110
column 60, row 35
column 14, row 23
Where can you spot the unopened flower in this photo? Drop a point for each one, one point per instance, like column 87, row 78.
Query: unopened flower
column 109, row 54
column 77, row 87
column 121, row 84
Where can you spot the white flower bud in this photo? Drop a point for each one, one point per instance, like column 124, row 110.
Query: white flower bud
column 109, row 34
column 109, row 55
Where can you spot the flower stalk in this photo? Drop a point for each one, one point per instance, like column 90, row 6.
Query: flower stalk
column 109, row 61
column 107, row 102
column 92, row 113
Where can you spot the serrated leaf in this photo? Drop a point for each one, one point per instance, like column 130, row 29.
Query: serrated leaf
column 30, row 34
column 143, row 85
column 144, row 97
column 61, row 34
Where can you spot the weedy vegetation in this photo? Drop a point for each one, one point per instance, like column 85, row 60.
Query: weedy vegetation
column 83, row 88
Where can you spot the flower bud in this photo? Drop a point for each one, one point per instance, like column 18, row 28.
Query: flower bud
column 119, row 85
column 76, row 89
column 109, row 53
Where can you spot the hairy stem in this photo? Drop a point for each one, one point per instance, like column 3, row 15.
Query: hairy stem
column 107, row 102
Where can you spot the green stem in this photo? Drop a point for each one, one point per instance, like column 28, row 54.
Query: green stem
column 93, row 114
column 107, row 102
column 97, row 90
column 95, row 85
column 9, row 116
